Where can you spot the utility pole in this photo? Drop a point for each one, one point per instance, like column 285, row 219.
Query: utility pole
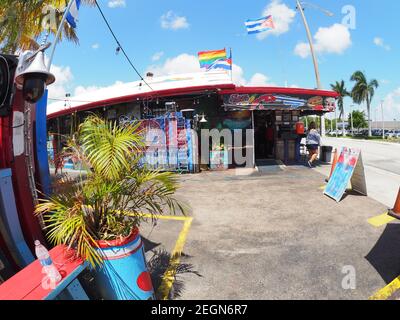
column 383, row 122
column 300, row 7
column 315, row 62
column 351, row 114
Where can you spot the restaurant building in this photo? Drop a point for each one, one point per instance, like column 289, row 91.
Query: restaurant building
column 180, row 106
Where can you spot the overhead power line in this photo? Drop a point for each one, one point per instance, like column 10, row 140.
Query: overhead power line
column 120, row 47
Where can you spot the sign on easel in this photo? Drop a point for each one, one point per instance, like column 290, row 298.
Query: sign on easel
column 349, row 168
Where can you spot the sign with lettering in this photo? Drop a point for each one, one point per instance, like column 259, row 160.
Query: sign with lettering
column 349, row 168
column 273, row 101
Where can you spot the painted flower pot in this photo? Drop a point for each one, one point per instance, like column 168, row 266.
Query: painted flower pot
column 124, row 274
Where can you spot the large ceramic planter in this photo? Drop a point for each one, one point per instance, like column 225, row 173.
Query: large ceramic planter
column 124, row 274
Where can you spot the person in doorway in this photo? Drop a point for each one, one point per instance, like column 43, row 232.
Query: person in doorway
column 313, row 143
column 269, row 139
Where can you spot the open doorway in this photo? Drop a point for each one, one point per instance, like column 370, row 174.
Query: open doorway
column 264, row 134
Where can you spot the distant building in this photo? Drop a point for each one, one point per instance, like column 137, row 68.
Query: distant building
column 389, row 125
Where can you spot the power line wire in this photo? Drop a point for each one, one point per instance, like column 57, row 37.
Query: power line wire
column 120, row 48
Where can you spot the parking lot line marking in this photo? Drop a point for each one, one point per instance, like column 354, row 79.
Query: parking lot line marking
column 387, row 291
column 169, row 275
column 381, row 220
column 161, row 217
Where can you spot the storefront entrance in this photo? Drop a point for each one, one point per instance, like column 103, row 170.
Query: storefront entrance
column 276, row 136
column 264, row 134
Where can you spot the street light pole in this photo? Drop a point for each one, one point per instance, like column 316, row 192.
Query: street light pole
column 315, row 62
column 344, row 113
column 336, row 128
column 383, row 122
column 351, row 114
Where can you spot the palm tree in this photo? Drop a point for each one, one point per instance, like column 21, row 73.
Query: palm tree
column 22, row 23
column 364, row 91
column 340, row 88
column 113, row 197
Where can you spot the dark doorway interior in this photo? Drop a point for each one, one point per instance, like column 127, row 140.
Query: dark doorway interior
column 264, row 134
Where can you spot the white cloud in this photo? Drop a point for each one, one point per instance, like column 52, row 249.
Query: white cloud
column 335, row 39
column 282, row 16
column 171, row 20
column 81, row 90
column 62, row 85
column 259, row 79
column 95, row 46
column 186, row 63
column 117, row 4
column 381, row 43
column 391, row 105
column 157, row 56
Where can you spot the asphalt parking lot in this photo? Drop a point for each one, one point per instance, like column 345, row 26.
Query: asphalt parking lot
column 271, row 235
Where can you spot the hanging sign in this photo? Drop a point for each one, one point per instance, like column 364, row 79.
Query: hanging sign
column 349, row 168
column 271, row 101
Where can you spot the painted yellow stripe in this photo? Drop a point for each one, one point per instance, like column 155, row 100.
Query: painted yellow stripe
column 381, row 220
column 169, row 275
column 176, row 218
column 161, row 217
column 387, row 291
column 322, row 187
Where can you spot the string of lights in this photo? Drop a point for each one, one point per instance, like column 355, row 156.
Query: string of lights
column 148, row 99
column 120, row 47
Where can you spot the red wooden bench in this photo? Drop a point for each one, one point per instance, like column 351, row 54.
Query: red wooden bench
column 28, row 284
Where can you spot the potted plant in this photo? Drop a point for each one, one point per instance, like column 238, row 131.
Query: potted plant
column 99, row 213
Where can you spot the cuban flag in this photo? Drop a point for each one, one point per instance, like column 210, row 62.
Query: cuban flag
column 72, row 16
column 225, row 64
column 259, row 25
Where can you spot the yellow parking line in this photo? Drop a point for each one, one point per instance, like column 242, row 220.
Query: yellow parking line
column 169, row 275
column 159, row 216
column 381, row 220
column 176, row 218
column 387, row 291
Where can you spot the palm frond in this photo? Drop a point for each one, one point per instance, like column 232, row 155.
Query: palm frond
column 109, row 202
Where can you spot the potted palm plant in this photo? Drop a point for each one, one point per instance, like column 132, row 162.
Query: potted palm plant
column 98, row 214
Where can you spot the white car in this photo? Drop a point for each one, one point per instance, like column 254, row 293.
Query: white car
column 390, row 134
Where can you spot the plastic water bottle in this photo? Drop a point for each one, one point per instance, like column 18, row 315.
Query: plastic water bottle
column 45, row 260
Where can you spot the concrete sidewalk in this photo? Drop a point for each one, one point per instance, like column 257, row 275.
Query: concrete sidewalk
column 382, row 166
column 276, row 236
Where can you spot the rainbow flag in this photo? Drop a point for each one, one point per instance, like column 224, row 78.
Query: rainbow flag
column 208, row 58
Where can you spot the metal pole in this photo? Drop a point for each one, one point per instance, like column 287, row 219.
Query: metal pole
column 315, row 62
column 343, row 126
column 336, row 128
column 352, row 127
column 383, row 122
column 254, row 141
column 60, row 27
column 230, row 49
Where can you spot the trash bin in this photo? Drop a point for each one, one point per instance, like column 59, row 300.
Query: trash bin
column 326, row 154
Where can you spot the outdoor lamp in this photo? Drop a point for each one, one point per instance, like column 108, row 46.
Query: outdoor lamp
column 32, row 75
column 203, row 119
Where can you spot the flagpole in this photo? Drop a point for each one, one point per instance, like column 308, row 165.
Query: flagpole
column 230, row 49
column 60, row 27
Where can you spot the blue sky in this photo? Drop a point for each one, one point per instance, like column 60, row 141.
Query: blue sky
column 165, row 36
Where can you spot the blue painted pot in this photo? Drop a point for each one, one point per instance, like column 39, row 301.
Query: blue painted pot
column 124, row 274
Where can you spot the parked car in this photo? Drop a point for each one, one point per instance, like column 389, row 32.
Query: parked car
column 390, row 134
